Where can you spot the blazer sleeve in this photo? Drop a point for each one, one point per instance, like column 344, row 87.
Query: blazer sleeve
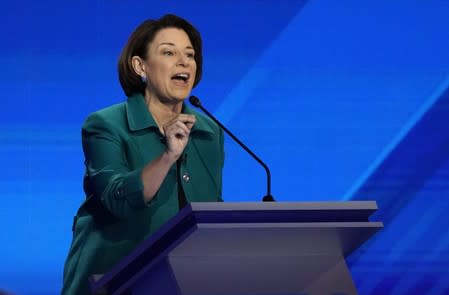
column 109, row 177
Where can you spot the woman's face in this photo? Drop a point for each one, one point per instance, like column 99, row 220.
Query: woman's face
column 170, row 65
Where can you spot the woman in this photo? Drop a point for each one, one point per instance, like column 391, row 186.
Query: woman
column 147, row 157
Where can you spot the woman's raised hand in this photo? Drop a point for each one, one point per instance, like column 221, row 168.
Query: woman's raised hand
column 177, row 133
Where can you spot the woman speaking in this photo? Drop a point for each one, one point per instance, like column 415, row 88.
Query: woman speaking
column 147, row 157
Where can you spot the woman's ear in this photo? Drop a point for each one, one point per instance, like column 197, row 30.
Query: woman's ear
column 139, row 66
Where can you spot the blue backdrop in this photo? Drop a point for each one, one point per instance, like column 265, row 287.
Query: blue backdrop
column 343, row 99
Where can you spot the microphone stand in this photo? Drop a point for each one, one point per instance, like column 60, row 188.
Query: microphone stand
column 268, row 197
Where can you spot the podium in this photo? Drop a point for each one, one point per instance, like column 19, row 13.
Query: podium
column 247, row 248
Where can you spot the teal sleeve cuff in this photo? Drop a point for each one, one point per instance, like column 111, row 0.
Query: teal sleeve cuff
column 130, row 189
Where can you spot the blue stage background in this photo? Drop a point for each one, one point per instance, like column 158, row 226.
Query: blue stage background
column 342, row 99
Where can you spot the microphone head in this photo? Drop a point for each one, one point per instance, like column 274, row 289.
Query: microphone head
column 195, row 101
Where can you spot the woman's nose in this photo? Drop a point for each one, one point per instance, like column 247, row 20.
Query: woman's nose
column 183, row 61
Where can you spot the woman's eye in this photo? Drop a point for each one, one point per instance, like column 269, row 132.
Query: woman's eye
column 169, row 53
column 190, row 55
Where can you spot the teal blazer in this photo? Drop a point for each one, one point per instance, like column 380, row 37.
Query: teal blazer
column 118, row 142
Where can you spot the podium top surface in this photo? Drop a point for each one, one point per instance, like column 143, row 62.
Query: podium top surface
column 282, row 206
column 262, row 212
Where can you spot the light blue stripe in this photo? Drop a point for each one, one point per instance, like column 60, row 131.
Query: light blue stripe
column 237, row 98
column 397, row 139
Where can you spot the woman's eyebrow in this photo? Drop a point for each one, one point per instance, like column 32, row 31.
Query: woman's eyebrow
column 167, row 43
column 173, row 44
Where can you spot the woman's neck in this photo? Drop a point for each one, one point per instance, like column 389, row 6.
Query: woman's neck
column 162, row 111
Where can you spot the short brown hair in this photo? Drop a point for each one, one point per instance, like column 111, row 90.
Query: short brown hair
column 137, row 45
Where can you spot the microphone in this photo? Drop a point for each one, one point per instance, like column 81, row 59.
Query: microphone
column 195, row 101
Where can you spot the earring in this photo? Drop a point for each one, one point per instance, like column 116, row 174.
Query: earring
column 144, row 79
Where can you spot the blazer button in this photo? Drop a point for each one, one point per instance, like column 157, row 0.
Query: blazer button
column 186, row 177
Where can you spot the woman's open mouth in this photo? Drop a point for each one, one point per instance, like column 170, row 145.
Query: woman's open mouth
column 181, row 79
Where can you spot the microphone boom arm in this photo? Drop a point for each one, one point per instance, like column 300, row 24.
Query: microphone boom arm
column 268, row 198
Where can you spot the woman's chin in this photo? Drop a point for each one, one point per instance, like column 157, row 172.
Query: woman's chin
column 180, row 95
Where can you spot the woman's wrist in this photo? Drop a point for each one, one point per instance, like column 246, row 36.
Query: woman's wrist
column 169, row 157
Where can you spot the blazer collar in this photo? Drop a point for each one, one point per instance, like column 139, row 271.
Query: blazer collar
column 137, row 113
column 140, row 118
